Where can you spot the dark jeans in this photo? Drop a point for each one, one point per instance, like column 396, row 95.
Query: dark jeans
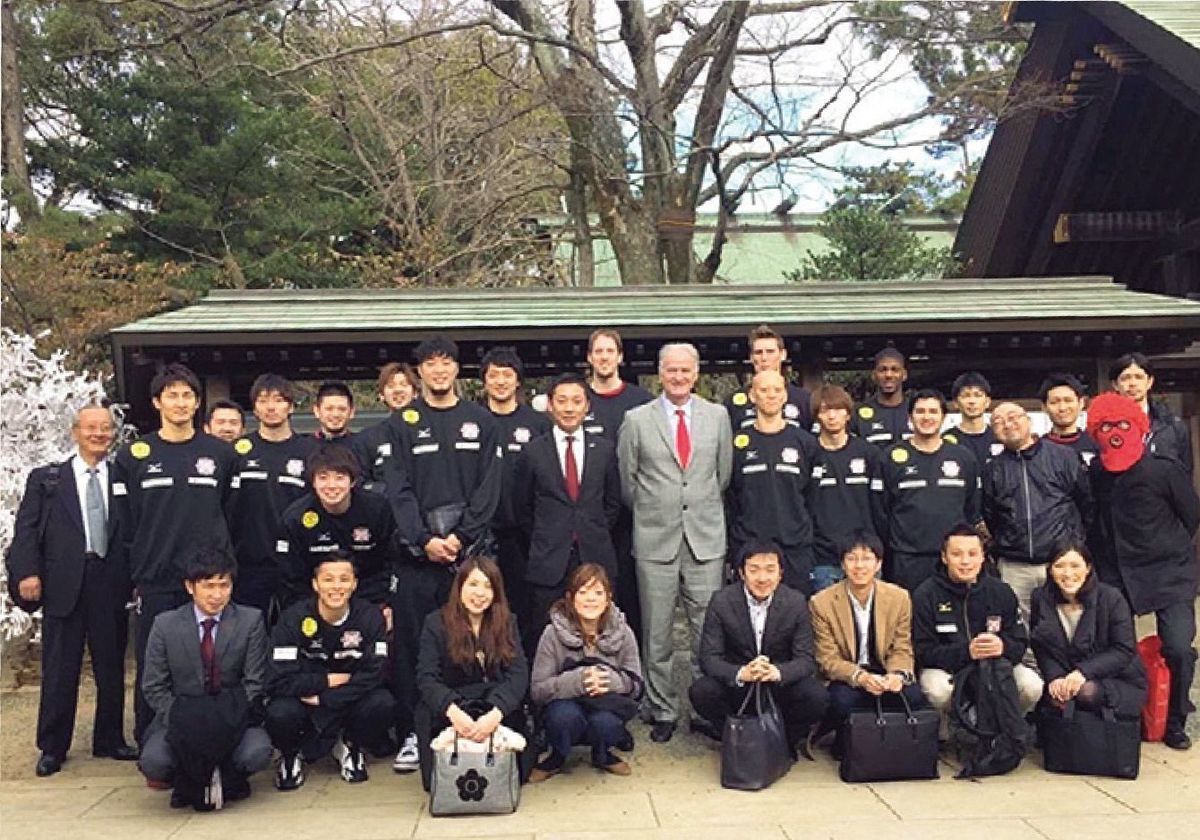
column 824, row 577
column 421, row 588
column 1177, row 631
column 96, row 621
column 801, row 703
column 568, row 722
column 844, row 699
column 293, row 726
column 150, row 606
column 625, row 587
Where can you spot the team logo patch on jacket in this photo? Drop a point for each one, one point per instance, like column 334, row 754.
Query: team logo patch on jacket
column 866, row 412
column 997, row 448
column 309, row 626
column 206, row 466
column 295, row 467
column 900, row 455
column 521, row 434
column 351, row 639
column 858, row 466
column 310, row 519
column 361, row 535
column 470, row 431
column 950, row 469
column 741, row 441
column 410, row 416
column 791, row 412
column 140, row 450
column 789, row 455
column 243, row 446
column 740, row 399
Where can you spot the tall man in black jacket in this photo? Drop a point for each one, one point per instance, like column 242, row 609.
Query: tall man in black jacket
column 568, row 495
column 1036, row 496
column 172, row 489
column 325, row 677
column 1132, row 376
column 65, row 554
column 1148, row 514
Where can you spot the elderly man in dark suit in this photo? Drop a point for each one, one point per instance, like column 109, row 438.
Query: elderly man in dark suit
column 675, row 456
column 60, row 557
column 758, row 631
column 205, row 666
column 568, row 499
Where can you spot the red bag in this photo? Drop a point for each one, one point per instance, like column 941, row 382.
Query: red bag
column 1158, row 694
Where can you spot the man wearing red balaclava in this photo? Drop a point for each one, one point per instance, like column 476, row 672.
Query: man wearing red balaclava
column 1148, row 513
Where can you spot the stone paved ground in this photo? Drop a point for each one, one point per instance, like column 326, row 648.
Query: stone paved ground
column 673, row 793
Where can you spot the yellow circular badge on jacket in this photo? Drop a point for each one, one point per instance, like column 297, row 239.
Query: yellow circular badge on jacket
column 950, row 438
column 140, row 449
column 243, row 446
column 899, row 455
column 740, row 398
column 309, row 626
column 866, row 412
column 741, row 441
column 411, row 416
column 310, row 519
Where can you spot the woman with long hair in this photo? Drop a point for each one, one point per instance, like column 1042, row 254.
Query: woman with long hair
column 1082, row 635
column 471, row 672
column 587, row 677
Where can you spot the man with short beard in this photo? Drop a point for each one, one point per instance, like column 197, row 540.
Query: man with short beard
column 772, row 469
column 883, row 418
column 1063, row 399
column 449, row 450
column 767, row 353
column 269, row 476
column 1035, row 498
column 928, row 486
column 224, row 421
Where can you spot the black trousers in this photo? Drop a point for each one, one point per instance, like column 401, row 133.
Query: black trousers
column 255, row 586
column 844, row 699
column 801, row 704
column 96, row 621
column 150, row 606
column 625, row 587
column 421, row 588
column 541, row 599
column 297, row 727
column 1177, row 631
column 512, row 555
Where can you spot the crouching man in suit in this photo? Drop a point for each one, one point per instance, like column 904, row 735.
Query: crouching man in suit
column 758, row 631
column 205, row 666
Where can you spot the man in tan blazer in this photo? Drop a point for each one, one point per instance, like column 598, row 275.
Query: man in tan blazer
column 675, row 455
column 862, row 635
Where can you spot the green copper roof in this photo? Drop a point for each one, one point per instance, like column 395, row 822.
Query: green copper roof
column 810, row 308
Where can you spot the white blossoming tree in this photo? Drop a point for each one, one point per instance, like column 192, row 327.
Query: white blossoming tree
column 38, row 398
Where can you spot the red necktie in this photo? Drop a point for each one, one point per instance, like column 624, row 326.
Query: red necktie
column 683, row 441
column 208, row 656
column 572, row 470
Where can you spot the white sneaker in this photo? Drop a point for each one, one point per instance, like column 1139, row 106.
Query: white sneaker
column 408, row 759
column 290, row 774
column 214, row 792
column 354, row 763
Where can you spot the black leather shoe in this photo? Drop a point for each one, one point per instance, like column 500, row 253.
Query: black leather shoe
column 1176, row 739
column 179, row 799
column 121, row 752
column 662, row 731
column 702, row 727
column 48, row 765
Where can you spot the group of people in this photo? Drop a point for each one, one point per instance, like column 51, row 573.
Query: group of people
column 473, row 565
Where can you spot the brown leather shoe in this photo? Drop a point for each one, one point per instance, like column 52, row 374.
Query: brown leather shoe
column 617, row 768
column 537, row 774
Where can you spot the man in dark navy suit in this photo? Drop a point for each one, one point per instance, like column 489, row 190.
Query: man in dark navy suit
column 568, row 498
column 61, row 557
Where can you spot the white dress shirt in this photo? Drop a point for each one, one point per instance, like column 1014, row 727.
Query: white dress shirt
column 862, row 619
column 79, row 467
column 673, row 419
column 560, row 444
column 758, row 616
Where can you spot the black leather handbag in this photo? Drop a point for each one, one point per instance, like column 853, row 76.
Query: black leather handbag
column 884, row 746
column 754, row 746
column 1090, row 744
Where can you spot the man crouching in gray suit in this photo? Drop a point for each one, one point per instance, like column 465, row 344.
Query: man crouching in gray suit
column 675, row 455
column 205, row 664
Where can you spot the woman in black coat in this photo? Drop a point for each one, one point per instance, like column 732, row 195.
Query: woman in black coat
column 471, row 672
column 1083, row 638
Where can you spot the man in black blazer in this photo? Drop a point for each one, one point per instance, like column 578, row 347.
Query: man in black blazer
column 756, row 630
column 65, row 555
column 569, row 496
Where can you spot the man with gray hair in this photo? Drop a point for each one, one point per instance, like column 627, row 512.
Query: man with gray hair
column 675, row 457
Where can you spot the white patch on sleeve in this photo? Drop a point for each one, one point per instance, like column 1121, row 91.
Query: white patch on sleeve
column 381, row 648
column 285, row 654
column 281, row 546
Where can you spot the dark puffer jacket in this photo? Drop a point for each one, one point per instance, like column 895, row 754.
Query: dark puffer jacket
column 1034, row 499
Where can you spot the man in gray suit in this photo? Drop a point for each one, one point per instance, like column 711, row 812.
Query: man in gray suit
column 203, row 678
column 675, row 456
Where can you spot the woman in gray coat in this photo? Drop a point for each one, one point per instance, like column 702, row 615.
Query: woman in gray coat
column 587, row 678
